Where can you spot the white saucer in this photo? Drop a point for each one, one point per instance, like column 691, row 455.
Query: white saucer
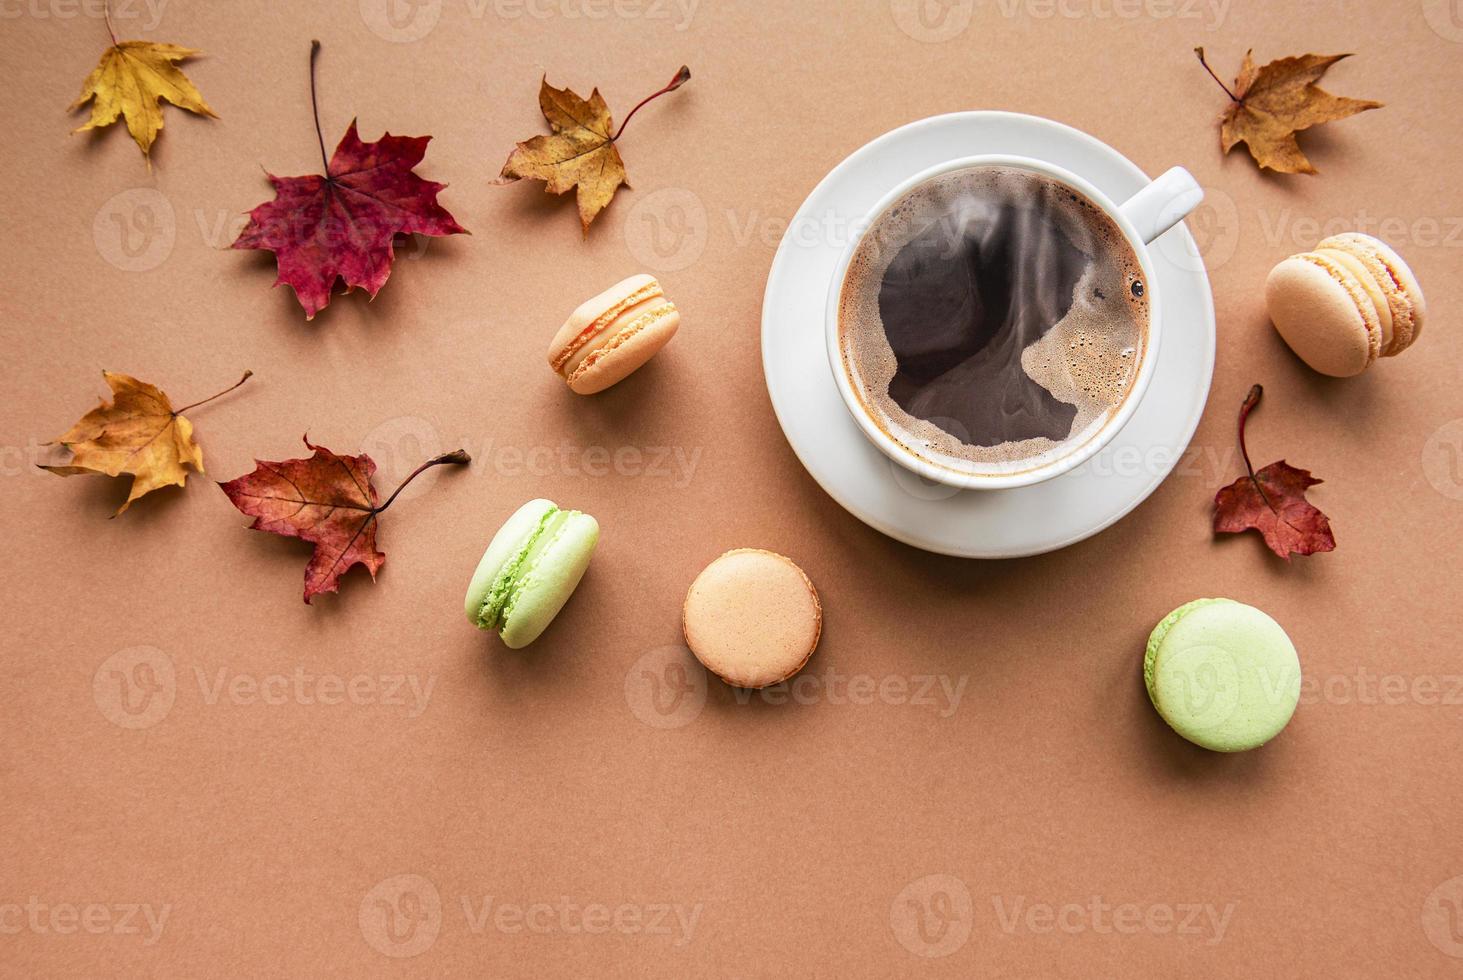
column 882, row 494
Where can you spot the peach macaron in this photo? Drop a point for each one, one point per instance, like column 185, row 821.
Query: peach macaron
column 752, row 618
column 613, row 334
column 1346, row 303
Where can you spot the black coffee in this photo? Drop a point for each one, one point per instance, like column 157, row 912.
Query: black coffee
column 993, row 316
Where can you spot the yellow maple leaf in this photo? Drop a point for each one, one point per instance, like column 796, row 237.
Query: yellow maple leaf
column 1270, row 104
column 130, row 80
column 580, row 151
column 139, row 433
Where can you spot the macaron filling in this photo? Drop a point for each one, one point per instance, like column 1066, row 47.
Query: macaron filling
column 1398, row 288
column 1369, row 284
column 1364, row 309
column 548, row 533
column 506, row 583
column 602, row 322
column 621, row 337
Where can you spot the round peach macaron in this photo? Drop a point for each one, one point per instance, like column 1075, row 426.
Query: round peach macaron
column 752, row 618
column 610, row 336
column 1346, row 303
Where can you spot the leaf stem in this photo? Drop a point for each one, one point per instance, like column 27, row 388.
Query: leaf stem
column 682, row 77
column 1251, row 400
column 457, row 458
column 1232, row 96
column 246, row 377
column 315, row 108
column 107, row 13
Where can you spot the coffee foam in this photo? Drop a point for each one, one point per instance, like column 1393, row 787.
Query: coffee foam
column 1087, row 360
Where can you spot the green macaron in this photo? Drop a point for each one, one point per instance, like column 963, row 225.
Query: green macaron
column 1222, row 674
column 530, row 570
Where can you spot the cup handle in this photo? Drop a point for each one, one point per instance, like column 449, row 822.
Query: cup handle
column 1163, row 203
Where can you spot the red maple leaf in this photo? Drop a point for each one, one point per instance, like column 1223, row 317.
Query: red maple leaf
column 341, row 225
column 327, row 500
column 1273, row 502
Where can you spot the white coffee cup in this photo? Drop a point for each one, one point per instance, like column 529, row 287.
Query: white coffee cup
column 1142, row 218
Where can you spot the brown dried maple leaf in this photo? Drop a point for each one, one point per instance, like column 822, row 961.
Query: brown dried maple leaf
column 581, row 151
column 140, row 434
column 327, row 500
column 1269, row 105
column 1273, row 502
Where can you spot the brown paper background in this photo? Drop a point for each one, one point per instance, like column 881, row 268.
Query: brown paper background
column 805, row 833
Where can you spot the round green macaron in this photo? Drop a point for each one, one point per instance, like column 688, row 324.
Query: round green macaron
column 1222, row 674
column 530, row 570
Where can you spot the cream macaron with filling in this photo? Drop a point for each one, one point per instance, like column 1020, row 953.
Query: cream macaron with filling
column 1346, row 303
column 611, row 335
